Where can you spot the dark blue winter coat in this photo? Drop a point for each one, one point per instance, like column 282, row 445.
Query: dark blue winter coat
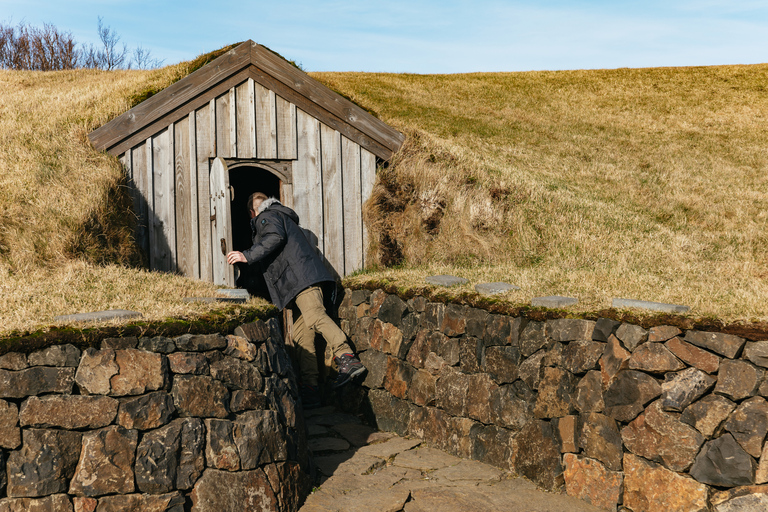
column 288, row 261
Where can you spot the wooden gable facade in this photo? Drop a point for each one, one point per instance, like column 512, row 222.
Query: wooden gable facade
column 248, row 121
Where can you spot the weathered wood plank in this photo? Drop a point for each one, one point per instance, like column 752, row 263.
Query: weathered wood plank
column 194, row 207
column 223, row 127
column 232, row 122
column 223, row 273
column 353, row 215
column 205, row 150
column 245, row 120
column 307, row 179
column 367, row 180
column 266, row 122
column 142, row 181
column 286, row 129
column 163, row 242
column 185, row 251
column 171, row 98
column 149, row 154
column 333, row 205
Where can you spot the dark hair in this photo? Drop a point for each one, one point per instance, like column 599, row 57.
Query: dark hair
column 261, row 196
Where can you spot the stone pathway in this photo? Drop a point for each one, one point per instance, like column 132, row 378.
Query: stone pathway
column 362, row 470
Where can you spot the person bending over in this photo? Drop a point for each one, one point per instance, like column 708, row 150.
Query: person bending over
column 294, row 275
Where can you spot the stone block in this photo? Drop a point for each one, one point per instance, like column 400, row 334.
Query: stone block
column 614, row 359
column 451, row 392
column 241, row 348
column 649, row 305
column 259, row 438
column 454, row 321
column 538, row 455
column 654, row 358
column 648, row 486
column 36, row 380
column 588, row 396
column 68, row 411
column 199, row 395
column 422, row 388
column 255, row 332
column 106, row 463
column 570, row 329
column 139, row 371
column 191, row 453
column 157, row 459
column 159, row 344
column 376, row 300
column 220, row 448
column 57, row 355
column 631, row 335
column 201, row 342
column 568, row 431
column 495, row 288
column 681, row 389
column 604, row 327
column 194, row 363
column 581, row 356
column 553, row 302
column 10, row 433
column 555, row 392
column 171, row 502
column 737, row 379
column 479, row 393
column 119, row 343
column 502, row 363
column 628, row 394
column 219, row 490
column 417, row 304
column 54, row 503
column 508, row 410
column 445, row 280
column 530, row 370
column 588, row 480
column 386, row 338
column 429, row 424
column 708, row 414
column 376, row 363
column 693, row 355
column 471, row 354
column 13, row 361
column 435, row 364
column 748, row 502
column 146, row 412
column 661, row 437
column 237, row 374
column 491, row 445
column 600, row 439
column 722, row 462
column 398, row 376
column 662, row 333
column 749, row 424
column 421, row 347
column 502, row 330
column 84, row 504
column 96, row 369
column 45, row 463
column 459, row 440
column 357, row 297
column 277, row 359
column 448, row 349
column 726, row 345
column 757, row 352
column 247, row 400
column 392, row 310
column 99, row 316
column 533, row 338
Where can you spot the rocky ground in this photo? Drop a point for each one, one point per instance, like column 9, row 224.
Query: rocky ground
column 360, row 469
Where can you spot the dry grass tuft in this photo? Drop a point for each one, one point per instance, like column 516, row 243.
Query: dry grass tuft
column 637, row 183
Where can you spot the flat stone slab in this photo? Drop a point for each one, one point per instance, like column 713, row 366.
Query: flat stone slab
column 327, row 444
column 468, row 470
column 389, row 448
column 445, row 280
column 495, row 288
column 233, row 300
column 553, row 301
column 99, row 316
column 653, row 306
column 358, row 435
column 234, row 293
column 425, row 459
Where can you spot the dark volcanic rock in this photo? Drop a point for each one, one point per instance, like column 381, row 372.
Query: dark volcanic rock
column 392, row 310
column 237, row 374
column 631, row 335
column 708, row 414
column 555, row 392
column 508, row 410
column 582, row 356
column 614, row 359
column 749, row 424
column 654, row 358
column 600, row 439
column 44, row 464
column 159, row 344
column 650, row 487
column 693, row 355
column 68, row 411
column 220, row 490
column 604, row 327
column 199, row 395
column 37, row 380
column 737, row 379
column 194, row 363
column 451, row 391
column 533, row 338
column 588, row 396
column 202, row 342
column 626, row 397
column 502, row 363
column 662, row 333
column 146, row 412
column 570, row 329
column 220, row 447
column 106, row 463
column 538, row 454
column 724, row 463
column 726, row 345
column 57, row 355
column 681, row 389
column 259, row 438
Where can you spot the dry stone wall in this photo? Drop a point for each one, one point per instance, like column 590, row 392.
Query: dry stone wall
column 200, row 422
column 620, row 416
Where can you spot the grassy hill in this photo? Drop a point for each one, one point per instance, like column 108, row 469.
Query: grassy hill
column 646, row 183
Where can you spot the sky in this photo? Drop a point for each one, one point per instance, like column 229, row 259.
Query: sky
column 427, row 36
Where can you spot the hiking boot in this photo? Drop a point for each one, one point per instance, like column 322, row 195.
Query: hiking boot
column 349, row 367
column 310, row 397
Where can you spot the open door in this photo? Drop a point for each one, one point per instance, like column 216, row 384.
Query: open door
column 221, row 229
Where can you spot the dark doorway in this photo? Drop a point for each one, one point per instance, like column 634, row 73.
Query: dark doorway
column 245, row 180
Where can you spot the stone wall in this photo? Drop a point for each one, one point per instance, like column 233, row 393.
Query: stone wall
column 620, row 416
column 200, row 422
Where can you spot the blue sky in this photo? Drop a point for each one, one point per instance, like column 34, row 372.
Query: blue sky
column 429, row 36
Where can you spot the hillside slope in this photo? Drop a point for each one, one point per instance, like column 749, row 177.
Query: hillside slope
column 649, row 184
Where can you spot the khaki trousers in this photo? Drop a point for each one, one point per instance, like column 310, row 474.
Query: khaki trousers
column 314, row 319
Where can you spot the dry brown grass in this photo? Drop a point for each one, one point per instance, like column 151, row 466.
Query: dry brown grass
column 637, row 183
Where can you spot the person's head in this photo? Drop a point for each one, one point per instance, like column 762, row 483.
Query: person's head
column 254, row 201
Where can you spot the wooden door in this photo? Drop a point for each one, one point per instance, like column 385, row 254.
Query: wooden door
column 221, row 228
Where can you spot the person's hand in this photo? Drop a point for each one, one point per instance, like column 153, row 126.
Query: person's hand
column 236, row 257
